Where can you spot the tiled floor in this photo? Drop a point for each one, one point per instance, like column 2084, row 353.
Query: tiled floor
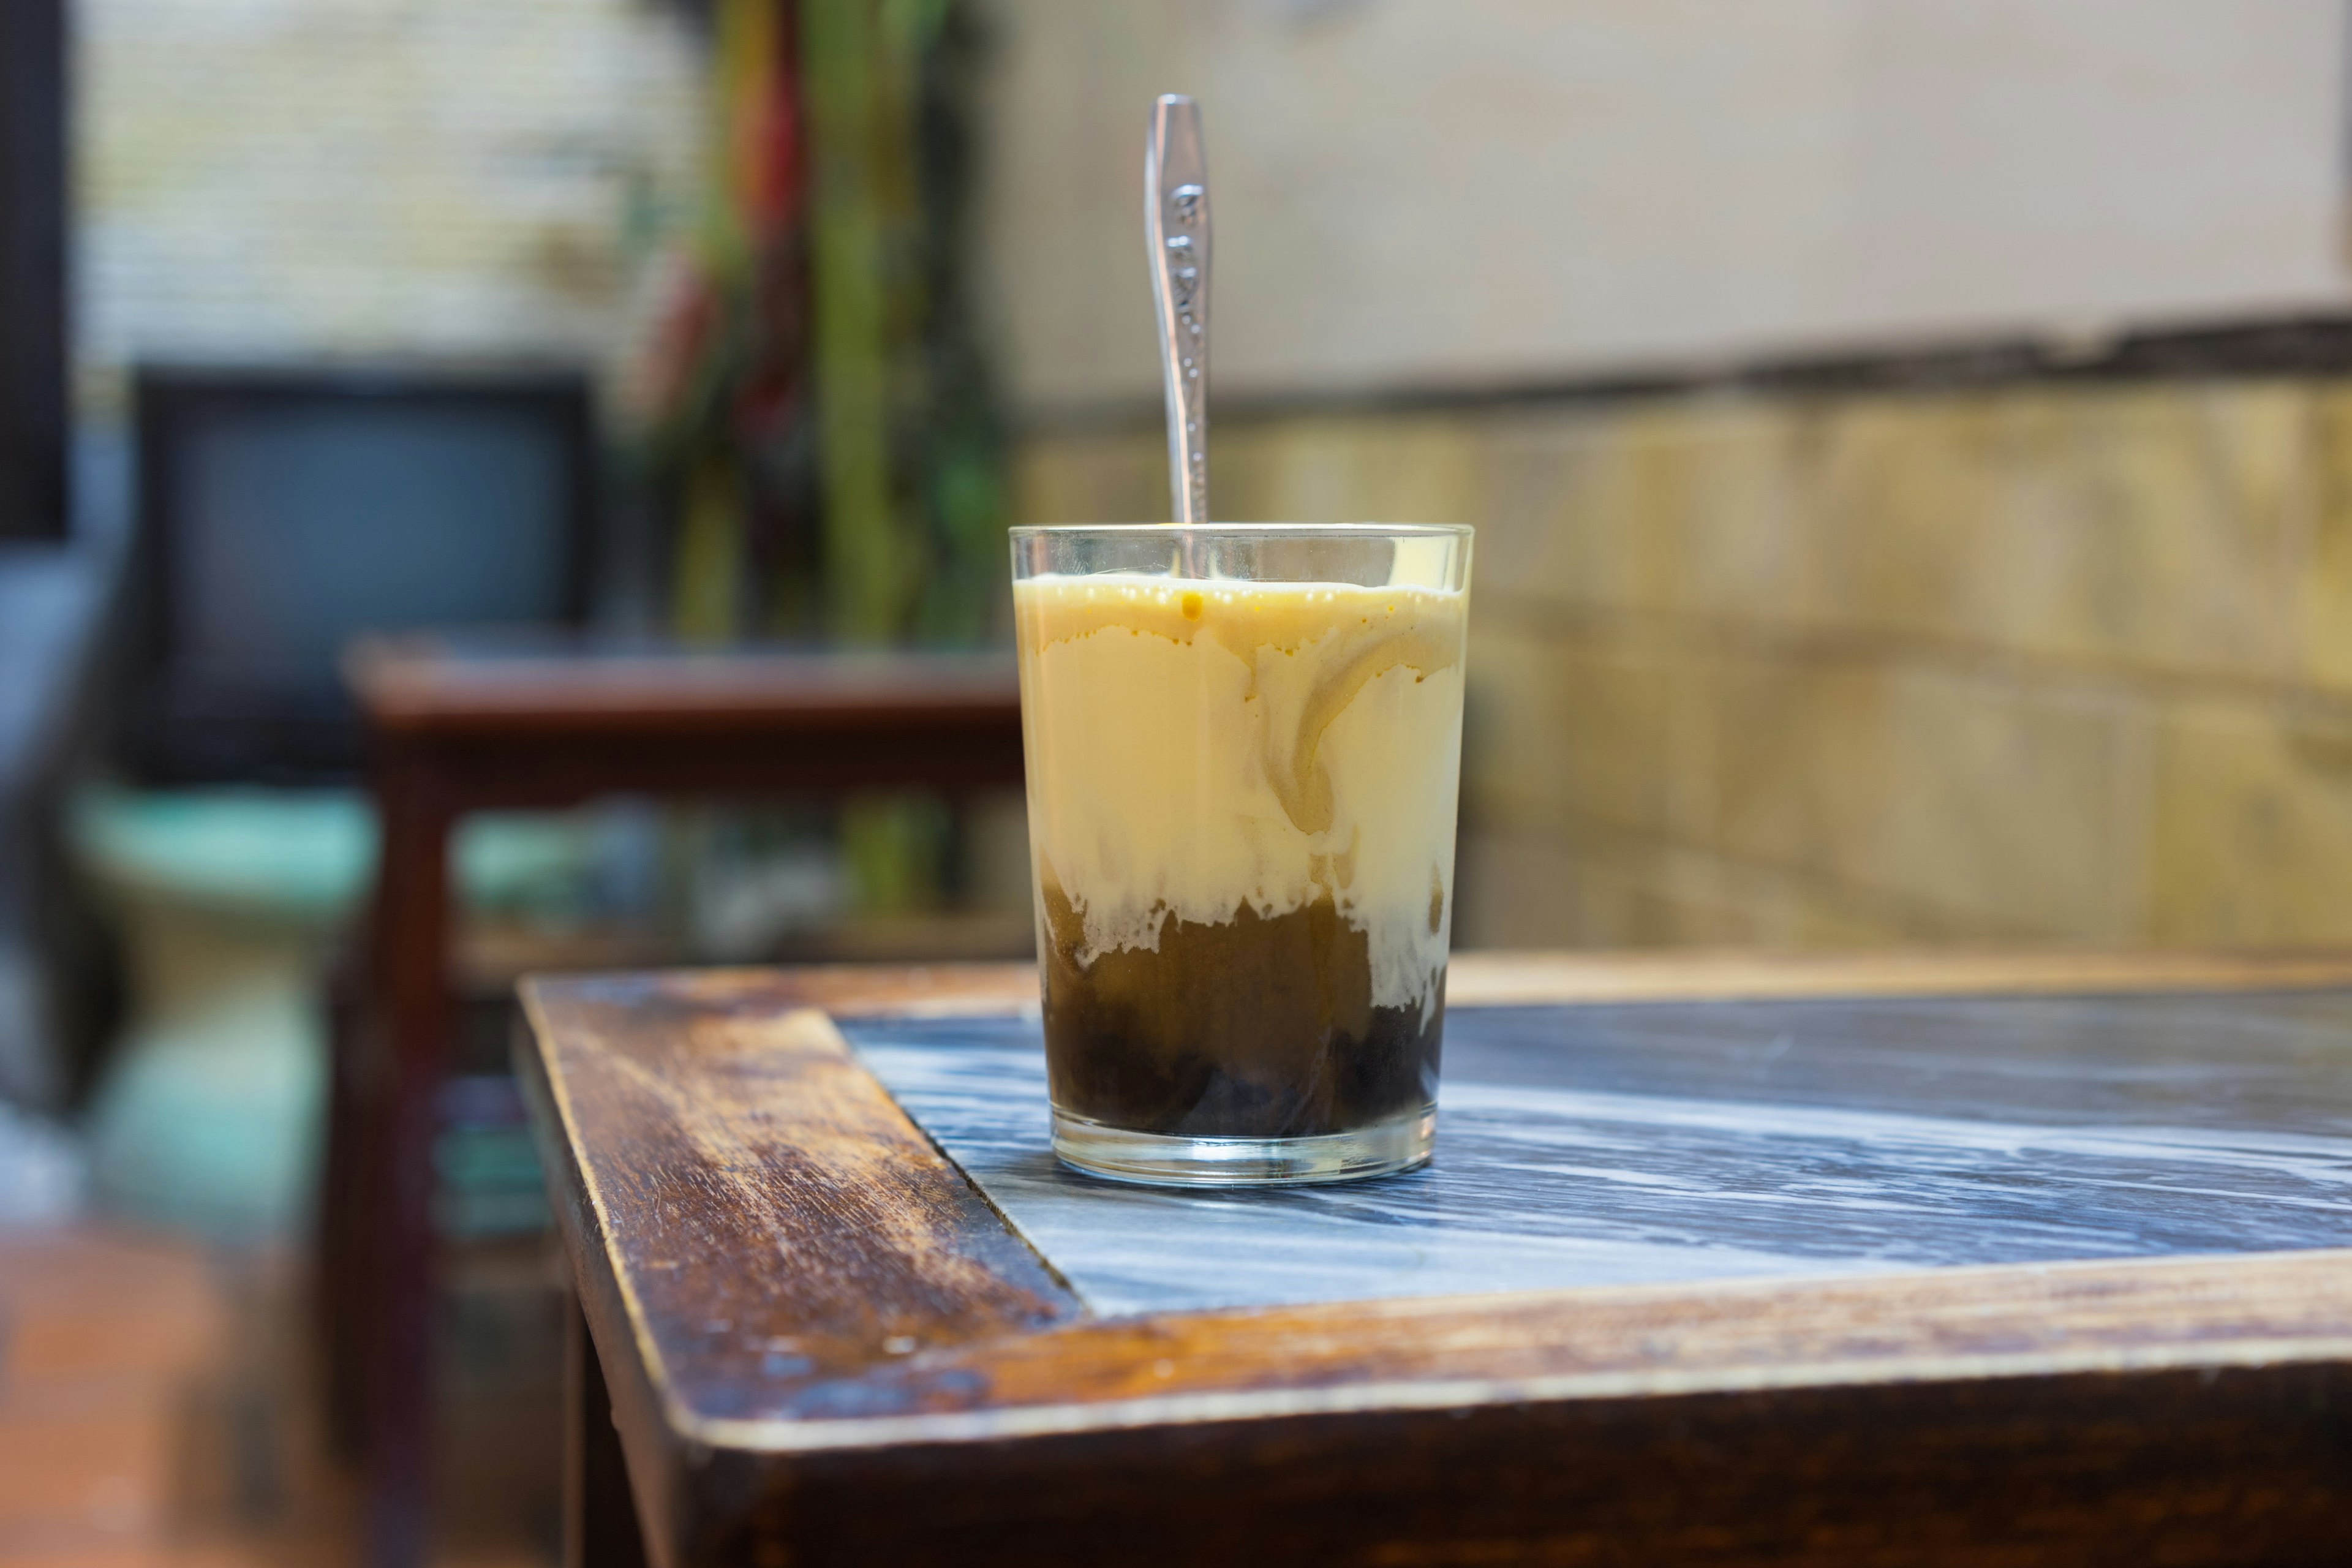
column 155, row 1412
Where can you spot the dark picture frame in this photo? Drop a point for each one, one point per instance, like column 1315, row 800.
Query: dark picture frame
column 175, row 733
column 34, row 415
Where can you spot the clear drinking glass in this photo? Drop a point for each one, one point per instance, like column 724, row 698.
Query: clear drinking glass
column 1244, row 747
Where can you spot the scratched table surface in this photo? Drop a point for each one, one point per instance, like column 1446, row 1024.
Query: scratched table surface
column 1669, row 1142
column 1719, row 1261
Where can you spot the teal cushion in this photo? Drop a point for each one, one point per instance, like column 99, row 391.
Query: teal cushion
column 308, row 856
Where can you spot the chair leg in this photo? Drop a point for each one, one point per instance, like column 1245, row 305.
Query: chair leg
column 340, row 1293
column 411, row 986
column 600, row 1517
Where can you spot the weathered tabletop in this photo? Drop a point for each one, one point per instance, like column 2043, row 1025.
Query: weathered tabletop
column 1968, row 1259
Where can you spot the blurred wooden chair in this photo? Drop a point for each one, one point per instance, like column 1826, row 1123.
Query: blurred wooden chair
column 454, row 730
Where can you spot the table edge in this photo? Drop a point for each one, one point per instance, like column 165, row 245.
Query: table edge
column 424, row 694
column 2237, row 1310
column 1505, row 978
column 1410, row 1317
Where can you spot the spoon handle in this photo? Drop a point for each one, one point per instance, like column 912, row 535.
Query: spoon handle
column 1176, row 219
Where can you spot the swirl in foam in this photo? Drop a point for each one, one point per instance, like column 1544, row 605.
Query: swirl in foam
column 1197, row 746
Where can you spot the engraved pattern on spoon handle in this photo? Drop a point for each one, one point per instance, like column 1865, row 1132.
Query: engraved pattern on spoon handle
column 1176, row 219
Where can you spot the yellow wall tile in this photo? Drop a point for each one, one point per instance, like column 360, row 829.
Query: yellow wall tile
column 1595, row 720
column 1595, row 889
column 1968, row 792
column 1512, row 755
column 1612, row 708
column 1752, row 544
column 1520, row 887
column 1579, row 886
column 2251, row 838
column 1906, row 492
column 2324, row 582
column 1368, row 469
column 1567, row 519
column 1089, row 479
column 2155, row 533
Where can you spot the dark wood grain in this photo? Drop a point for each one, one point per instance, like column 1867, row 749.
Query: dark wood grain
column 872, row 1246
column 2178, row 1468
column 385, row 1237
column 508, row 731
column 866, row 1248
column 941, row 1399
column 425, row 687
column 1720, row 1336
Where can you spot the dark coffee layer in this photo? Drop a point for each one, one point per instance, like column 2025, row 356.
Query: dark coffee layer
column 1252, row 1027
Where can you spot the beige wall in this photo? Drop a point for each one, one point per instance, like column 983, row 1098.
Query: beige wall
column 1412, row 193
column 301, row 178
column 2046, row 662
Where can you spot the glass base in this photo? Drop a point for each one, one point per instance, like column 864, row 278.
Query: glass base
column 1164, row 1160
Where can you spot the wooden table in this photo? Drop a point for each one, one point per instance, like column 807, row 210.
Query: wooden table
column 1975, row 1260
column 455, row 727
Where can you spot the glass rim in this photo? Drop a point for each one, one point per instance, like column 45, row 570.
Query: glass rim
column 1248, row 530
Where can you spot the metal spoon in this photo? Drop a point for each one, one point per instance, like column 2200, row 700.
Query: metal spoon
column 1176, row 220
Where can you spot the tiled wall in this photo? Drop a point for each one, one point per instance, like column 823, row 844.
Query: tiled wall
column 265, row 179
column 2065, row 661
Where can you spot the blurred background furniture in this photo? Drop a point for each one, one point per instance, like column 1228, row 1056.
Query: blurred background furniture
column 51, row 617
column 281, row 512
column 456, row 729
column 52, row 594
column 34, row 425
